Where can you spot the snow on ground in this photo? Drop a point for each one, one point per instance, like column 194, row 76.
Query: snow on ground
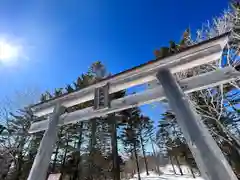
column 168, row 174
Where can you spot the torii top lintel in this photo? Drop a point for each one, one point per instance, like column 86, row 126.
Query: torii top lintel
column 202, row 53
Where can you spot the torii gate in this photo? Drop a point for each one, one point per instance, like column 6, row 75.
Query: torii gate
column 208, row 156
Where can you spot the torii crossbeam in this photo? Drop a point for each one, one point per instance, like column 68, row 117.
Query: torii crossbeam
column 208, row 156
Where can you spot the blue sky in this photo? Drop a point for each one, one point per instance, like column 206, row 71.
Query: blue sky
column 61, row 38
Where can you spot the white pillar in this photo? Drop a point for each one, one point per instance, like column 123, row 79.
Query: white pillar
column 43, row 157
column 208, row 156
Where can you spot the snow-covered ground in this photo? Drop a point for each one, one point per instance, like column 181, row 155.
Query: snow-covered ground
column 168, row 174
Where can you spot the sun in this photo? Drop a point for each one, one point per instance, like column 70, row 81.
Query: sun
column 8, row 51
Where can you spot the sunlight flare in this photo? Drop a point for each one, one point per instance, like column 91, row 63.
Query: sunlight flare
column 9, row 51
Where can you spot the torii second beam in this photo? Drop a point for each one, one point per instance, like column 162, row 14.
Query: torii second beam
column 189, row 85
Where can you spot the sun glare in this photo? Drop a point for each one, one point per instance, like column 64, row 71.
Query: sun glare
column 8, row 51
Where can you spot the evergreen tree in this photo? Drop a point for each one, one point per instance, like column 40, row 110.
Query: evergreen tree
column 144, row 132
column 17, row 134
column 130, row 136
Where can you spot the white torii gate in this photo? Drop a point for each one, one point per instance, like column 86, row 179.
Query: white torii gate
column 208, row 156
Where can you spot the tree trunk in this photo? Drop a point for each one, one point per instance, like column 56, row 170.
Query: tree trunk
column 19, row 167
column 193, row 175
column 20, row 160
column 64, row 156
column 92, row 146
column 188, row 164
column 179, row 166
column 170, row 156
column 133, row 169
column 116, row 165
column 155, row 157
column 5, row 175
column 137, row 164
column 93, row 134
column 77, row 172
column 55, row 158
column 56, row 152
column 144, row 154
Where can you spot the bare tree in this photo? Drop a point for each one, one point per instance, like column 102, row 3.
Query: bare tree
column 15, row 140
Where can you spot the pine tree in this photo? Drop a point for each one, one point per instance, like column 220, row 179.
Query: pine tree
column 144, row 131
column 130, row 137
column 17, row 129
column 163, row 138
column 115, row 121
